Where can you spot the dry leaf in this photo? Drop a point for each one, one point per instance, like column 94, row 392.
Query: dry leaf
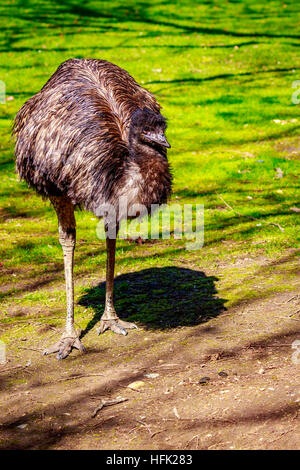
column 136, row 385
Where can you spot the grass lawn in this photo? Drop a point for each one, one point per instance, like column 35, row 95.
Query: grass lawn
column 224, row 74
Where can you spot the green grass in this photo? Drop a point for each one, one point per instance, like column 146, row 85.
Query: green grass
column 223, row 72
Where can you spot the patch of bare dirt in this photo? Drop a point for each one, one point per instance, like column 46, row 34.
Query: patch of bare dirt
column 229, row 383
column 290, row 149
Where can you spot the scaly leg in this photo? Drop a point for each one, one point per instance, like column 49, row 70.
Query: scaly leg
column 67, row 237
column 109, row 319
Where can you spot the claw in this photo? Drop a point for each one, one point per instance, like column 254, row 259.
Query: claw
column 64, row 346
column 117, row 326
column 51, row 349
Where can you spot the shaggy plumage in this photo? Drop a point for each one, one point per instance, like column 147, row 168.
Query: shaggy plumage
column 77, row 137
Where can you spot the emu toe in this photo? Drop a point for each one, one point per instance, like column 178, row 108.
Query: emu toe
column 64, row 346
column 117, row 326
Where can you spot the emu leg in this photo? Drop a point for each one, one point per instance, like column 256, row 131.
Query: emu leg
column 67, row 237
column 109, row 319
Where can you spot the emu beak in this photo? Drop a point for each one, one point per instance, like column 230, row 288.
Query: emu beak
column 158, row 139
column 163, row 141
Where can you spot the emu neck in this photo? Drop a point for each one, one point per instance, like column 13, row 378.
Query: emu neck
column 140, row 152
column 154, row 174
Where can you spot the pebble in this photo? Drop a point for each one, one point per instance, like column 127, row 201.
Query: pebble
column 151, row 376
column 223, row 374
column 204, row 380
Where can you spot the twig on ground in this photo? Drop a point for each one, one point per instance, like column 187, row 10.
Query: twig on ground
column 295, row 313
column 108, row 403
column 288, row 317
column 249, row 217
column 182, row 419
column 280, row 435
column 195, row 437
column 293, row 297
column 11, row 368
column 156, row 432
column 167, row 366
column 21, row 327
column 253, row 346
column 131, row 430
column 81, row 376
column 146, row 426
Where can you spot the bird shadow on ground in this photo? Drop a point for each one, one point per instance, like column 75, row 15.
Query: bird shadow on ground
column 159, row 298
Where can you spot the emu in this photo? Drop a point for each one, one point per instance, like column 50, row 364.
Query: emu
column 91, row 136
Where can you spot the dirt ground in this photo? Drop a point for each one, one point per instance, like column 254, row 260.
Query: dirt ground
column 229, row 383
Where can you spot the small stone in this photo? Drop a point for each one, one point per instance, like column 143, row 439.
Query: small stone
column 204, row 380
column 223, row 374
column 151, row 376
column 22, row 426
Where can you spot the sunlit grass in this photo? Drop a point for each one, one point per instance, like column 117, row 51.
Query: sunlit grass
column 223, row 73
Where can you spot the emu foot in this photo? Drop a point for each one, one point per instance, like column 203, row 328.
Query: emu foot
column 64, row 346
column 117, row 326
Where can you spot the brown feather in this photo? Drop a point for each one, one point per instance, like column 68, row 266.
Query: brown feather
column 73, row 138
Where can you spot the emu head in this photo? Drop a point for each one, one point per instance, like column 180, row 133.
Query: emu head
column 147, row 128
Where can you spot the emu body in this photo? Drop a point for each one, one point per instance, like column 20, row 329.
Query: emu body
column 91, row 136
